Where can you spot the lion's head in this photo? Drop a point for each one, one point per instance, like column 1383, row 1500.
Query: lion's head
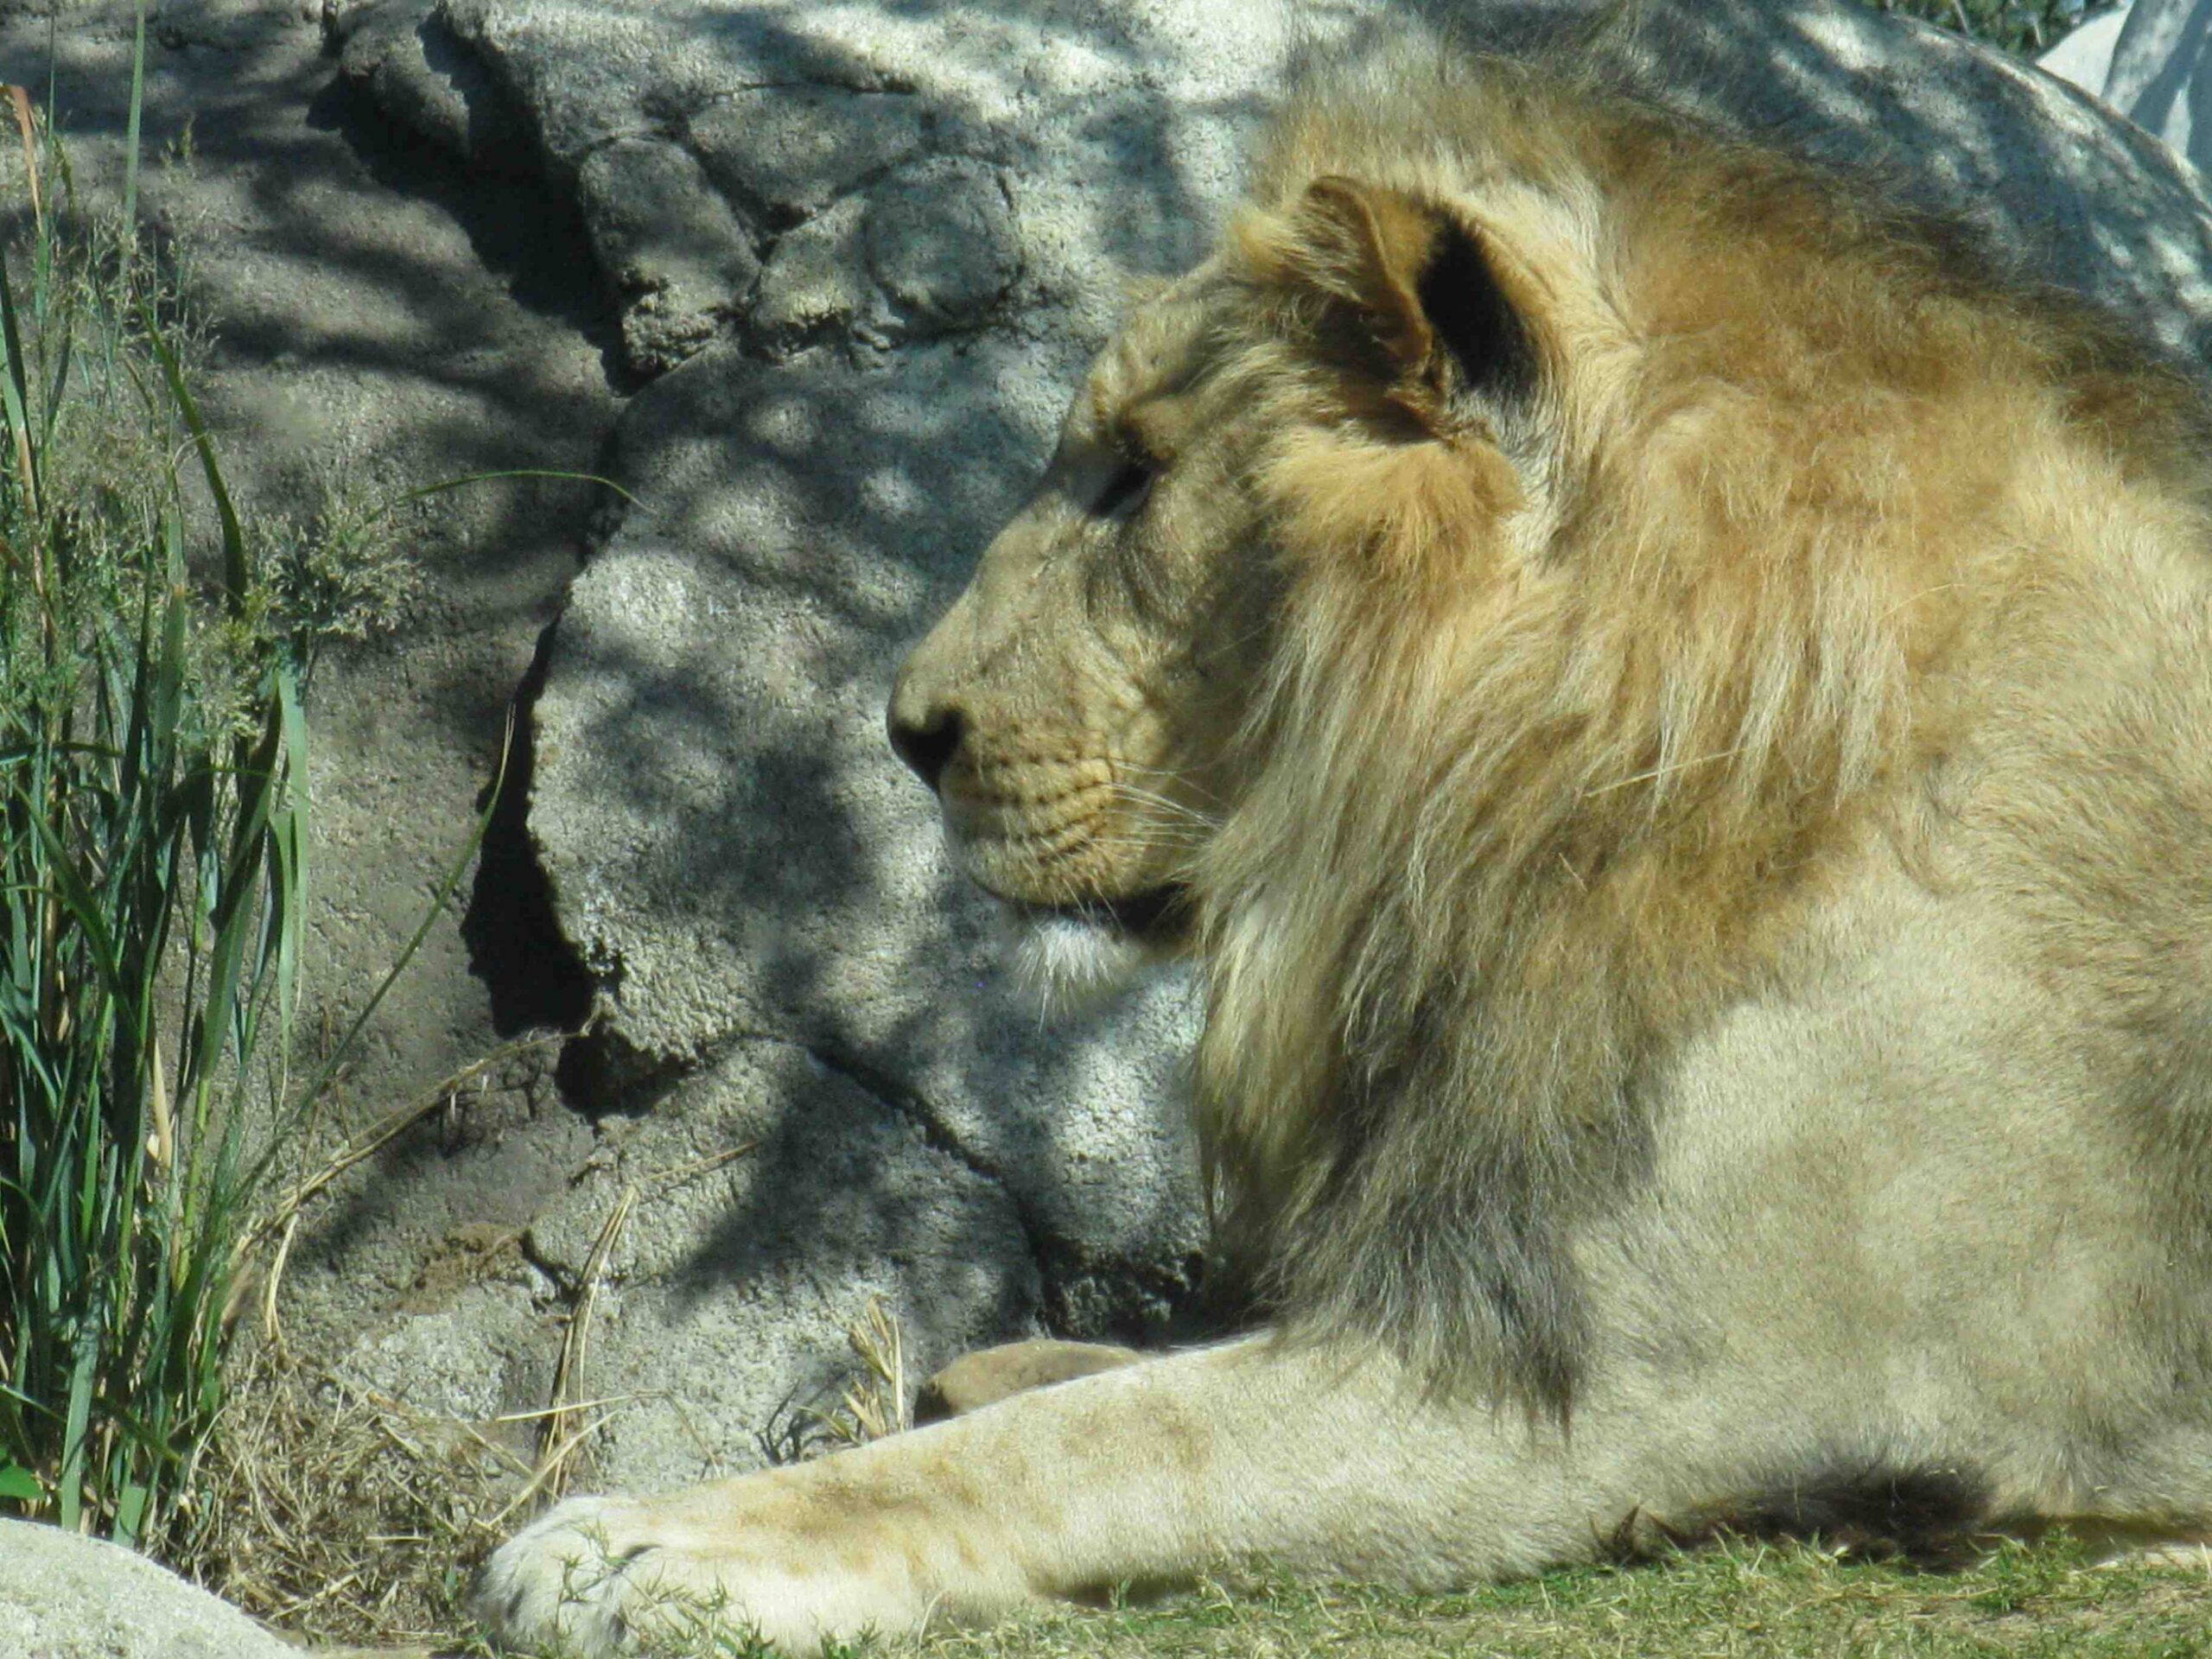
column 1075, row 724
column 1470, row 612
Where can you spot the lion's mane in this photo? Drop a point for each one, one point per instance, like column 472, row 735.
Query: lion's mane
column 1523, row 809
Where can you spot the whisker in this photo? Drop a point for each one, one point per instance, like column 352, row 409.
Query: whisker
column 1178, row 811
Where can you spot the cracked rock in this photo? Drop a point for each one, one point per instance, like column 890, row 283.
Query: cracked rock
column 930, row 249
column 941, row 242
column 774, row 1197
column 675, row 253
column 794, row 149
column 817, row 279
column 401, row 54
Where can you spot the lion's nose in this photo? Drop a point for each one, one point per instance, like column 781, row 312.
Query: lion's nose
column 925, row 736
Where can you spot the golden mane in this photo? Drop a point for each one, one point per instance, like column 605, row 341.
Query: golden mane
column 1577, row 684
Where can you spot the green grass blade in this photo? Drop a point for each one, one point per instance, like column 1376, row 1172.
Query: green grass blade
column 131, row 1501
column 82, row 904
column 231, row 909
column 70, row 1485
column 130, row 134
column 237, row 566
column 154, row 872
column 57, row 391
column 291, row 827
column 176, row 622
column 14, row 393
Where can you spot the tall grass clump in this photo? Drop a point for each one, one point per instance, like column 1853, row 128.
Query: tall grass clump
column 154, row 840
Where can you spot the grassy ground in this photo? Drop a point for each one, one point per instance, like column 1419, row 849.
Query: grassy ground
column 1741, row 1599
column 1734, row 1601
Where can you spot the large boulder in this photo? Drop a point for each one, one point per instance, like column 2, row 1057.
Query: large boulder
column 727, row 160
column 785, row 959
column 66, row 1597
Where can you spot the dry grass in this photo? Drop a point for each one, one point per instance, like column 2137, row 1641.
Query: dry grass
column 333, row 1512
column 568, row 1424
column 342, row 1517
column 338, row 1514
column 877, row 1401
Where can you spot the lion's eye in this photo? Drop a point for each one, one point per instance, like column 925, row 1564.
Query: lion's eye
column 1126, row 489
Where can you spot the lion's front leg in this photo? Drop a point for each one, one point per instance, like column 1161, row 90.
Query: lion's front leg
column 963, row 1522
column 1255, row 1453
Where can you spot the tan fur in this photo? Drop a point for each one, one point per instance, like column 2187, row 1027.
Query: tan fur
column 1673, row 707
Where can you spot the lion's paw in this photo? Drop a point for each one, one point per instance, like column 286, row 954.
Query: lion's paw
column 597, row 1576
column 574, row 1576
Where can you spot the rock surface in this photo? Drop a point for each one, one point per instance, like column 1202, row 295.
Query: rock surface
column 795, row 115
column 66, row 1597
column 811, row 284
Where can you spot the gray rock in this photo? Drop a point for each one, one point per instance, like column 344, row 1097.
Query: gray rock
column 789, row 113
column 772, row 1199
column 942, row 244
column 483, row 1353
column 817, row 279
column 787, row 152
column 66, row 1597
column 932, row 248
column 669, row 244
column 403, row 55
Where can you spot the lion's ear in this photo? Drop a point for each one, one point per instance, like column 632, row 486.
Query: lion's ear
column 1418, row 278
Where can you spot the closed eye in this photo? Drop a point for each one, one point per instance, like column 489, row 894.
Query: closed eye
column 1125, row 491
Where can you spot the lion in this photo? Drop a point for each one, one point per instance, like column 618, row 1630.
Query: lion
column 1669, row 701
